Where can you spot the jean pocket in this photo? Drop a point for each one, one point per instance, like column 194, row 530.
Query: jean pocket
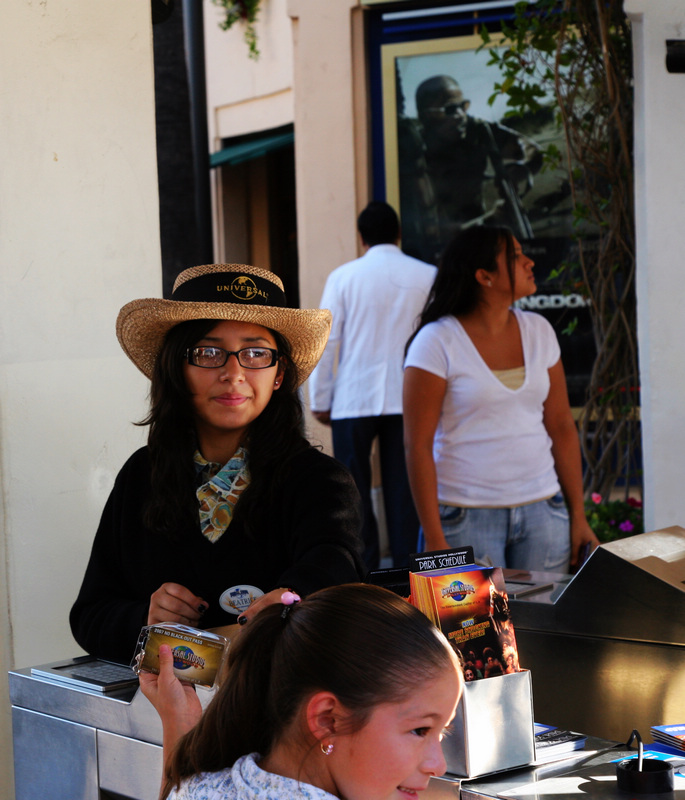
column 451, row 515
column 557, row 506
column 557, row 501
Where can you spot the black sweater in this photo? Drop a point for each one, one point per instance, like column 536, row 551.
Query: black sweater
column 308, row 540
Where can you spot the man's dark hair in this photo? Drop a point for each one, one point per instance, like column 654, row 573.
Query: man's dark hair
column 378, row 224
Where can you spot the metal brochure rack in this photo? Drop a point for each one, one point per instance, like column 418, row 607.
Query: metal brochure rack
column 606, row 648
column 493, row 727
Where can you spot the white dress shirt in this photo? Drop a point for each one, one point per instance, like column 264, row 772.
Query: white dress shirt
column 375, row 301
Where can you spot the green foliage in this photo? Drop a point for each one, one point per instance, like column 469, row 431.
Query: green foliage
column 614, row 519
column 242, row 11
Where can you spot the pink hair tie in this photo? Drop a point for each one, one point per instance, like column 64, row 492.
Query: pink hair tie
column 288, row 599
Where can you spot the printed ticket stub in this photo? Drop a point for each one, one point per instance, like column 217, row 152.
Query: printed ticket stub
column 198, row 655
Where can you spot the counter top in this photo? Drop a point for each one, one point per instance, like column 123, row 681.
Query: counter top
column 126, row 711
column 564, row 779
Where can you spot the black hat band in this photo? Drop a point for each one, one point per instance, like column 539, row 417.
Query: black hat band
column 230, row 287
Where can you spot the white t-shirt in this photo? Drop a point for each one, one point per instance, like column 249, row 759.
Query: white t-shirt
column 491, row 447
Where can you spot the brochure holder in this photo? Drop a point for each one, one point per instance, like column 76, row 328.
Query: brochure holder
column 493, row 729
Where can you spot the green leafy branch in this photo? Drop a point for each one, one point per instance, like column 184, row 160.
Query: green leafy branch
column 580, row 53
column 245, row 11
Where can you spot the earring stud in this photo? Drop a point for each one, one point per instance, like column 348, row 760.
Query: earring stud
column 326, row 749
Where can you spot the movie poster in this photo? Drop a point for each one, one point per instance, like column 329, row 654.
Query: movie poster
column 454, row 160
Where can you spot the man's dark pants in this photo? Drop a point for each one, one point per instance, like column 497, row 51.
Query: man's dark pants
column 352, row 441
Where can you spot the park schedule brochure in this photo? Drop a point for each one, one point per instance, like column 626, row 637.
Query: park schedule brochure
column 470, row 606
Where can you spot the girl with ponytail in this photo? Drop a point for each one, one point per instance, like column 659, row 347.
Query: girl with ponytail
column 343, row 695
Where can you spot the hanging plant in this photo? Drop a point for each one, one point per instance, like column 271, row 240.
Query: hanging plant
column 244, row 11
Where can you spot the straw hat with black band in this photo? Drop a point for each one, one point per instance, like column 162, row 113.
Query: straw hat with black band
column 223, row 292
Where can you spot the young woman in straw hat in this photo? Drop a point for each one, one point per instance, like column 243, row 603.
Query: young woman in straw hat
column 344, row 695
column 228, row 505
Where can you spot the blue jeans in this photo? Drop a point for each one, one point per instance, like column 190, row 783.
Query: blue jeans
column 531, row 537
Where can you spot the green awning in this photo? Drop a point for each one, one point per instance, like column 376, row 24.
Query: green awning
column 246, row 151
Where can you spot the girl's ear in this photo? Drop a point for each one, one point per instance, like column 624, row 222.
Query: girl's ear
column 483, row 277
column 280, row 372
column 323, row 714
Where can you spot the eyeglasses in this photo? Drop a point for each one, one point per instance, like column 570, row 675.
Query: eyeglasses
column 451, row 109
column 248, row 357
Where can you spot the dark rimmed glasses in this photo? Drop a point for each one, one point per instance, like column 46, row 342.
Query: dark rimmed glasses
column 248, row 357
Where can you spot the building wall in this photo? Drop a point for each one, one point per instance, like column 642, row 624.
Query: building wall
column 79, row 237
column 78, row 210
column 245, row 95
column 332, row 175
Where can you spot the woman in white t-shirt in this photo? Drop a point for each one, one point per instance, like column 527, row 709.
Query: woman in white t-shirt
column 492, row 449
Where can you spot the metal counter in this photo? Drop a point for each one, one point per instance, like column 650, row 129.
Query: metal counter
column 73, row 743
column 606, row 648
column 590, row 778
column 492, row 786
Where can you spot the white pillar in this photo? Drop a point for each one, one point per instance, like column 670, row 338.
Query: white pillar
column 324, row 140
column 660, row 229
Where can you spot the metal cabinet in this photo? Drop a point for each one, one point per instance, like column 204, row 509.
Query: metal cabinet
column 71, row 743
column 606, row 647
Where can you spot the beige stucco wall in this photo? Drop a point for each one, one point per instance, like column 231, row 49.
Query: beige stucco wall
column 79, row 237
column 324, row 140
column 317, row 48
column 330, row 159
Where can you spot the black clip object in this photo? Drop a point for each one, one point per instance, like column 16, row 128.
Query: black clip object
column 643, row 775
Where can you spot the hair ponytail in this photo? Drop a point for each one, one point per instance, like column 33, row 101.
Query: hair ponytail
column 236, row 722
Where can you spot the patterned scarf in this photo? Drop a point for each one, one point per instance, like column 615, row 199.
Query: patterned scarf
column 219, row 491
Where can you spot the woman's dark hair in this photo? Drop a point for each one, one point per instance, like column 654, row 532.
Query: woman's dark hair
column 362, row 643
column 272, row 438
column 456, row 290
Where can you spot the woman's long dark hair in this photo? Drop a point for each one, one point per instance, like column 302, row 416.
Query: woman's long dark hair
column 456, row 290
column 362, row 643
column 274, row 437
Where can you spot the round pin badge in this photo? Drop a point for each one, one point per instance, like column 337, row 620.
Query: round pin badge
column 239, row 598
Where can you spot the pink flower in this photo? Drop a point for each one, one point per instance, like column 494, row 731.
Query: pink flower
column 626, row 526
column 596, row 498
column 634, row 503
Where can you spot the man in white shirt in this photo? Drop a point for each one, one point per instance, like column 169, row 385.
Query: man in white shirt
column 375, row 301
